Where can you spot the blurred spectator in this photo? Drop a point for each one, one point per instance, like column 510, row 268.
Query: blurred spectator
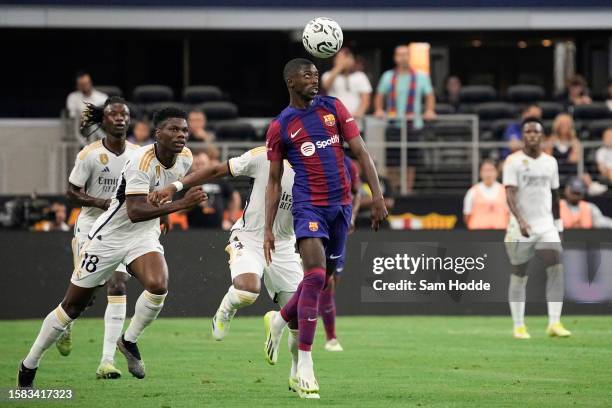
column 452, row 86
column 513, row 134
column 564, row 145
column 576, row 93
column 484, row 205
column 55, row 220
column 75, row 103
column 197, row 127
column 577, row 213
column 365, row 196
column 609, row 94
column 223, row 206
column 348, row 84
column 400, row 94
column 603, row 157
column 141, row 133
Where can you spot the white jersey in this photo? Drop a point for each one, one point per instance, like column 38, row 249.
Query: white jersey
column 141, row 174
column 534, row 179
column 96, row 170
column 255, row 164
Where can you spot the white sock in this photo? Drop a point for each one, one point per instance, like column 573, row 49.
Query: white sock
column 52, row 328
column 113, row 325
column 305, row 364
column 236, row 299
column 293, row 348
column 148, row 307
column 277, row 325
column 555, row 289
column 516, row 295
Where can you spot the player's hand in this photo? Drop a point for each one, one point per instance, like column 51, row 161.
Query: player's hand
column 352, row 227
column 429, row 115
column 379, row 113
column 268, row 246
column 105, row 204
column 193, row 197
column 162, row 196
column 525, row 228
column 379, row 212
column 164, row 222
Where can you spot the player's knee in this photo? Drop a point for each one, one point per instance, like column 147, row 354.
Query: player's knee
column 520, row 270
column 247, row 283
column 315, row 278
column 157, row 286
column 116, row 288
column 73, row 310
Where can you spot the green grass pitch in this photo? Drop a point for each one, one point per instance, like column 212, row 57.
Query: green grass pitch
column 388, row 361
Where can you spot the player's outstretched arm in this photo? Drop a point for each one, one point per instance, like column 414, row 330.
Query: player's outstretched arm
column 140, row 209
column 77, row 196
column 195, row 178
column 379, row 210
column 273, row 193
column 512, row 205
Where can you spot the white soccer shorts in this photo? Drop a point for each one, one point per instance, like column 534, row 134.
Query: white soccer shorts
column 77, row 244
column 521, row 249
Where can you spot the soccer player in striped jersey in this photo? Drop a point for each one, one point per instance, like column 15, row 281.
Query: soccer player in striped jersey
column 92, row 183
column 310, row 133
column 128, row 232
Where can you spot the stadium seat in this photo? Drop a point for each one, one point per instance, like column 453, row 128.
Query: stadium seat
column 219, row 110
column 477, row 94
column 201, row 93
column 550, row 109
column 498, row 127
column 444, row 109
column 150, row 108
column 592, row 111
column 451, row 131
column 525, row 93
column 496, row 110
column 597, row 127
column 234, row 130
column 110, row 90
column 152, row 93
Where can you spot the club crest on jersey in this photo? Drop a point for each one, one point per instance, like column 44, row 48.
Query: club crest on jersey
column 313, row 226
column 330, row 120
column 103, row 158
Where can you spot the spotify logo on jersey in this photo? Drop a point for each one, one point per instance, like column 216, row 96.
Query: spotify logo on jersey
column 307, row 149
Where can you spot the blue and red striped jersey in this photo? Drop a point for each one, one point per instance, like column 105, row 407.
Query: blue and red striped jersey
column 311, row 140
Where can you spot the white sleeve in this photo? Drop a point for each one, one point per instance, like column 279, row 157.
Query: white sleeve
column 555, row 177
column 80, row 172
column 247, row 164
column 468, row 201
column 72, row 105
column 136, row 180
column 599, row 156
column 599, row 220
column 363, row 83
column 510, row 177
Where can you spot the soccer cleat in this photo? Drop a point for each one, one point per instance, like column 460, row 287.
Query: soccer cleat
column 557, row 330
column 521, row 333
column 272, row 340
column 107, row 371
column 333, row 345
column 308, row 388
column 64, row 343
column 135, row 364
column 221, row 324
column 25, row 376
column 293, row 384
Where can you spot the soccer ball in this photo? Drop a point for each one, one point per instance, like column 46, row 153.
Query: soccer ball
column 322, row 37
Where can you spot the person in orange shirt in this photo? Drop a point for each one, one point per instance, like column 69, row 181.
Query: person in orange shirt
column 484, row 205
column 577, row 213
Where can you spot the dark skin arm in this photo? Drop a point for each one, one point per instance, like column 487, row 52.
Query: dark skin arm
column 512, row 205
column 556, row 201
column 356, row 202
column 77, row 196
column 196, row 178
column 273, row 193
column 379, row 210
column 139, row 209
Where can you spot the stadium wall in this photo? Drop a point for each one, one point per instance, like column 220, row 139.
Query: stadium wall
column 37, row 267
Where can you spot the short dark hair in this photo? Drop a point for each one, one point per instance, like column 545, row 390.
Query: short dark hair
column 81, row 73
column 164, row 114
column 531, row 119
column 294, row 66
column 488, row 161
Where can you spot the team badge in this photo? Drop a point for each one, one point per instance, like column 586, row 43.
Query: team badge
column 526, row 163
column 313, row 226
column 103, row 158
column 330, row 120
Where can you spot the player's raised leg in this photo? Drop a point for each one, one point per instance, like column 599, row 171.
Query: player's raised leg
column 243, row 292
column 113, row 324
column 75, row 301
column 152, row 272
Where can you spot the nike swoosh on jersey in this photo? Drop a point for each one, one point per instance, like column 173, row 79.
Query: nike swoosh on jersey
column 296, row 132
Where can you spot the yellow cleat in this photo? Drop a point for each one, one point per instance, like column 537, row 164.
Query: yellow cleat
column 308, row 389
column 293, row 384
column 333, row 345
column 64, row 343
column 272, row 339
column 557, row 330
column 521, row 333
column 107, row 371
